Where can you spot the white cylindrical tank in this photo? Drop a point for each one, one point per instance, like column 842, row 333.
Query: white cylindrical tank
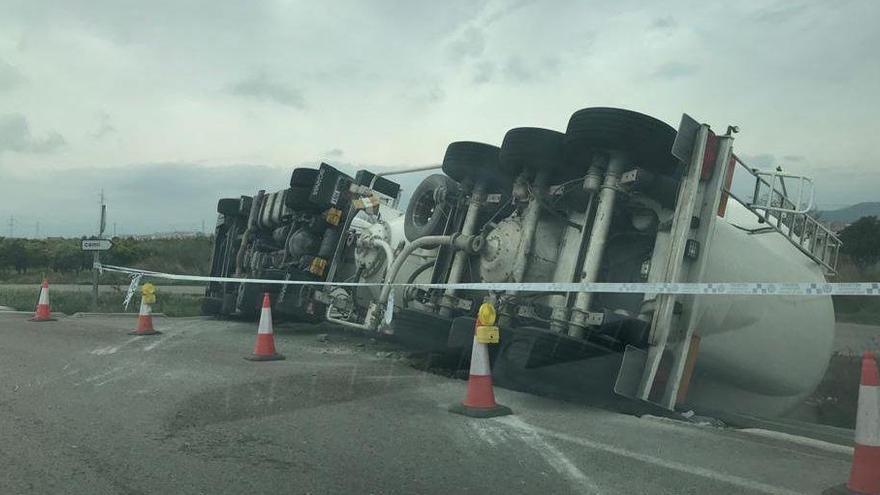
column 761, row 354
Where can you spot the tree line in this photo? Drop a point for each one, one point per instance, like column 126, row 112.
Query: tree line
column 23, row 256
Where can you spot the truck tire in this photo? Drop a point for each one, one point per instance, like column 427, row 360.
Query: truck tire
column 303, row 177
column 648, row 139
column 424, row 215
column 211, row 306
column 297, row 198
column 469, row 160
column 533, row 148
column 229, row 206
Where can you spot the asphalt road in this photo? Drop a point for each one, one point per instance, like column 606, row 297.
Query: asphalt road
column 87, row 409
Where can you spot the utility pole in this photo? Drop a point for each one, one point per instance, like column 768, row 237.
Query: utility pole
column 37, row 230
column 11, row 226
column 203, row 226
column 114, row 229
column 96, row 256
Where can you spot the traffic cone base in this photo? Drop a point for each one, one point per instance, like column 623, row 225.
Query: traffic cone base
column 269, row 357
column 480, row 412
column 36, row 318
column 146, row 332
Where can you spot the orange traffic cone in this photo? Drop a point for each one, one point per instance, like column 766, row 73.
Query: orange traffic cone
column 145, row 320
column 43, row 313
column 480, row 399
column 264, row 349
column 864, row 477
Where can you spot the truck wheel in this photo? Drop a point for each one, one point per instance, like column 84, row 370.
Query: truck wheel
column 478, row 161
column 211, row 306
column 534, row 148
column 303, row 177
column 469, row 160
column 248, row 301
column 424, row 215
column 228, row 304
column 648, row 139
column 228, row 206
column 297, row 198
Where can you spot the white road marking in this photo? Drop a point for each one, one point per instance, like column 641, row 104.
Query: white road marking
column 487, row 432
column 656, row 461
column 529, row 436
column 150, row 347
column 111, row 349
column 100, row 376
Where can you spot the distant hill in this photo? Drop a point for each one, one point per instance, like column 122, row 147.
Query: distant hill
column 851, row 213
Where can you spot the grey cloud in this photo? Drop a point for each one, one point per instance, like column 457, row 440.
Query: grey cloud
column 761, row 160
column 781, row 12
column 664, row 23
column 15, row 135
column 517, row 69
column 10, row 77
column 794, row 158
column 505, row 9
column 105, row 126
column 434, row 93
column 471, row 43
column 483, row 72
column 334, row 153
column 424, row 92
column 261, row 87
column 674, row 70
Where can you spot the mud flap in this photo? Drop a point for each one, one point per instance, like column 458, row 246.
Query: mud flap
column 630, row 374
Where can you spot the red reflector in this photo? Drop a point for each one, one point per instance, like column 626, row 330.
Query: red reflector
column 709, row 156
column 728, row 180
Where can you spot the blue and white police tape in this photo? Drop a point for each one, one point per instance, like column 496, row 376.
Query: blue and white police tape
column 709, row 288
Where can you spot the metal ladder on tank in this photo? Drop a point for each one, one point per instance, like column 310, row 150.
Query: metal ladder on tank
column 789, row 214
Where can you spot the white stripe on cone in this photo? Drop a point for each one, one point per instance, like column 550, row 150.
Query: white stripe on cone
column 868, row 416
column 44, row 297
column 480, row 359
column 265, row 321
column 146, row 309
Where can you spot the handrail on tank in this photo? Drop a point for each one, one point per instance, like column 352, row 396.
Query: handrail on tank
column 786, row 204
column 806, row 233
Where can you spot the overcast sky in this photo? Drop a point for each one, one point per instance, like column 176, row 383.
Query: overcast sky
column 169, row 104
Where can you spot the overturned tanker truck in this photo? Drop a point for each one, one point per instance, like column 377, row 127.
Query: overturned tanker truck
column 619, row 197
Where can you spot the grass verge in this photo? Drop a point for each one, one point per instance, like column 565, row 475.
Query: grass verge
column 857, row 309
column 67, row 302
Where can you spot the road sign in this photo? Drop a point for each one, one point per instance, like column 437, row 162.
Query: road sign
column 96, row 244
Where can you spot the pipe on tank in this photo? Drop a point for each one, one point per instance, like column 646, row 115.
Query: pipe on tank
column 386, row 248
column 458, row 262
column 571, row 255
column 421, row 242
column 530, row 225
column 598, row 238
